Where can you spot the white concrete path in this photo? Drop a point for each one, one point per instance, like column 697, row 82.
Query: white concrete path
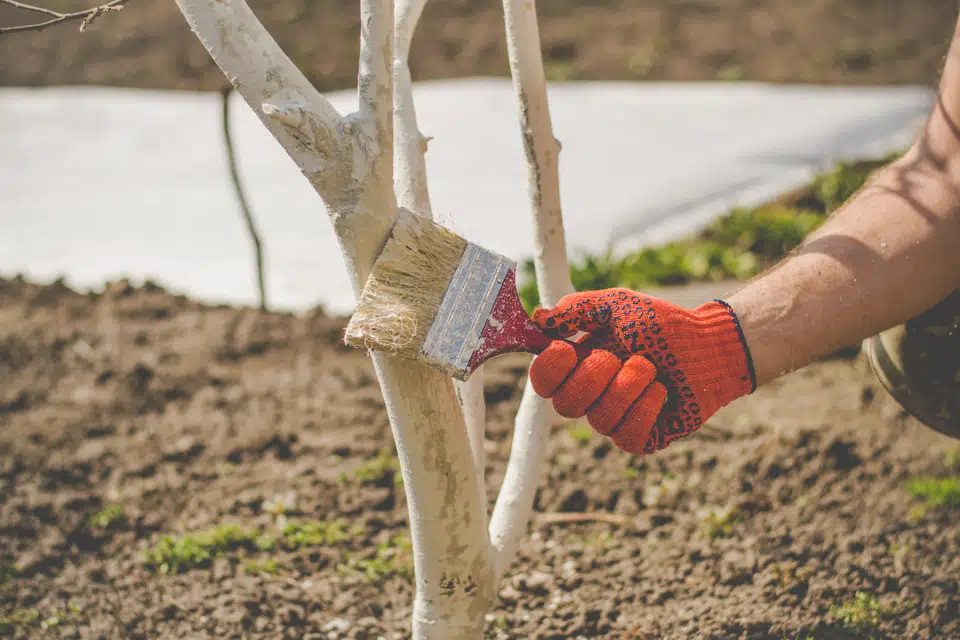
column 99, row 184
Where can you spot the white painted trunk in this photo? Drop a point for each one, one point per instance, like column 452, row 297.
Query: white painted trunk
column 364, row 166
column 511, row 514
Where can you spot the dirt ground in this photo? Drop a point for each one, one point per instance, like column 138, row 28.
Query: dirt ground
column 176, row 417
column 132, row 414
column 148, row 44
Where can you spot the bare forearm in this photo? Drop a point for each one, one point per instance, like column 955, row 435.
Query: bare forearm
column 892, row 252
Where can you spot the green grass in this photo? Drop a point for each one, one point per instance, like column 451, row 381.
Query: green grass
column 721, row 523
column 8, row 571
column 18, row 619
column 951, row 458
column 935, row 492
column 630, row 473
column 179, row 554
column 739, row 245
column 862, row 613
column 112, row 513
column 383, row 469
column 24, row 619
column 393, row 557
column 315, row 533
column 580, row 432
column 270, row 567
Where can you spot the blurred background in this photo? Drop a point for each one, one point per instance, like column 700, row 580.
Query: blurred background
column 860, row 42
column 178, row 463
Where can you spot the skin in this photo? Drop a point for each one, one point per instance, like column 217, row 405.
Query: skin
column 890, row 253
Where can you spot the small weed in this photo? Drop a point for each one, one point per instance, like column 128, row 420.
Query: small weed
column 788, row 573
column 719, row 523
column 630, row 473
column 112, row 513
column 381, row 470
column 581, row 433
column 392, row 558
column 19, row 619
column 917, row 513
column 60, row 617
column 23, row 619
column 8, row 571
column 261, row 566
column 601, row 540
column 281, row 505
column 315, row 534
column 936, row 492
column 173, row 555
column 951, row 458
column 861, row 613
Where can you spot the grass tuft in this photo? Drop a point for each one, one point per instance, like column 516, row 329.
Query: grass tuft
column 936, row 492
column 720, row 523
column 393, row 557
column 110, row 514
column 172, row 555
column 261, row 566
column 861, row 613
column 580, row 432
column 381, row 471
column 315, row 533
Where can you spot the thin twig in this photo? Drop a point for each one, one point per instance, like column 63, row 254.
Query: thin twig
column 244, row 206
column 87, row 15
column 560, row 518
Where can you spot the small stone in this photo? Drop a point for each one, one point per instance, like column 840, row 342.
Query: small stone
column 510, row 595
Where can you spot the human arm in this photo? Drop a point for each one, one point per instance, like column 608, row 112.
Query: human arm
column 890, row 253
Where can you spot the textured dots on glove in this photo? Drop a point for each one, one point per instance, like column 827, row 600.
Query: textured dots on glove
column 585, row 384
column 700, row 359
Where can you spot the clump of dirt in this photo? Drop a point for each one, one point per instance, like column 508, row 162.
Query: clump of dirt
column 864, row 42
column 172, row 469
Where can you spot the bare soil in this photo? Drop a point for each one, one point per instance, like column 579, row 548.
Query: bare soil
column 190, row 416
column 177, row 416
column 875, row 42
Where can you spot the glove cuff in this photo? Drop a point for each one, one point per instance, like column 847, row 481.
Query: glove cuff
column 716, row 363
column 751, row 373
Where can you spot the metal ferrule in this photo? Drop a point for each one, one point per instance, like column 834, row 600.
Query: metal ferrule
column 455, row 333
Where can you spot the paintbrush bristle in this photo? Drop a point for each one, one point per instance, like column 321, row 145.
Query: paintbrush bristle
column 406, row 286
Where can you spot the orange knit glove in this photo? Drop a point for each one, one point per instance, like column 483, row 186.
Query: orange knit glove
column 657, row 371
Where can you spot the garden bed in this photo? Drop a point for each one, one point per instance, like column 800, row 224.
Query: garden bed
column 174, row 470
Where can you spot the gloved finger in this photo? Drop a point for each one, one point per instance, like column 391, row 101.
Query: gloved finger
column 632, row 379
column 552, row 367
column 573, row 313
column 585, row 384
column 632, row 433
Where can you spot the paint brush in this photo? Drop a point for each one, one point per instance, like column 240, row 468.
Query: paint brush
column 433, row 296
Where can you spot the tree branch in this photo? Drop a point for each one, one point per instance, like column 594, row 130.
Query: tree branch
column 410, row 170
column 87, row 15
column 514, row 505
column 241, row 197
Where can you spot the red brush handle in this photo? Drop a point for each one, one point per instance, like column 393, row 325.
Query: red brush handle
column 510, row 330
